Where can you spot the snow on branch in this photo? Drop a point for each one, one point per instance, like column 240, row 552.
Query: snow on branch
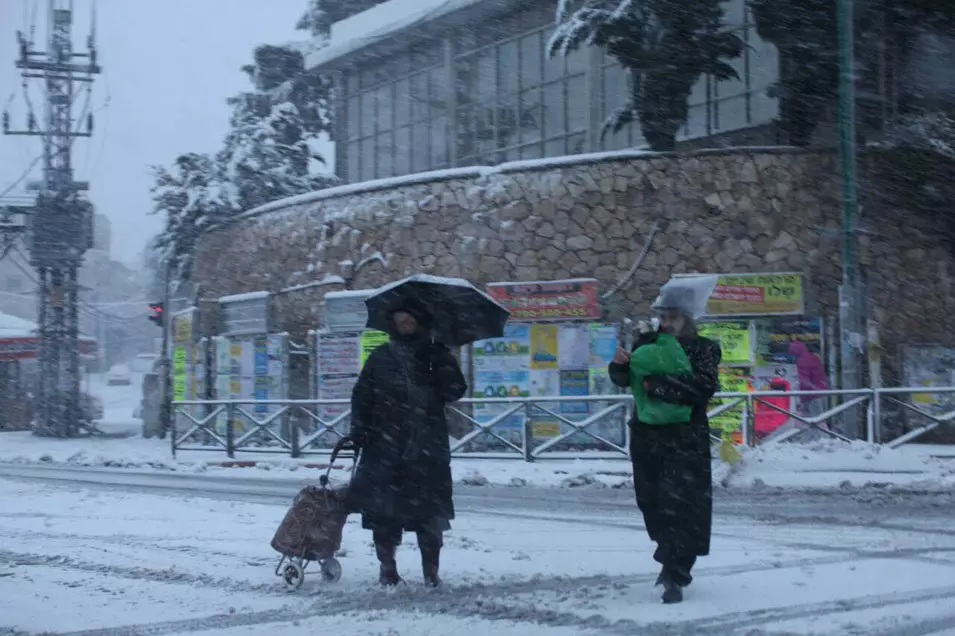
column 929, row 132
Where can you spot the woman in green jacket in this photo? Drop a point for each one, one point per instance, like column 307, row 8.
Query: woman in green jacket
column 673, row 373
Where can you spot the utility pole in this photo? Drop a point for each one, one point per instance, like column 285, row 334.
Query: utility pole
column 849, row 298
column 61, row 228
column 165, row 363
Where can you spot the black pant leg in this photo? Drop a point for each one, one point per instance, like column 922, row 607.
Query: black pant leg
column 647, row 473
column 387, row 535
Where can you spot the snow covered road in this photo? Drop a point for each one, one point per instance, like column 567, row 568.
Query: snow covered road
column 129, row 553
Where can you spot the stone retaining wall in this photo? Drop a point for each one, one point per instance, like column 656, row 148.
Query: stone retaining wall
column 731, row 211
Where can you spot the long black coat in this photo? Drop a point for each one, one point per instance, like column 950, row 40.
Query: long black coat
column 398, row 418
column 671, row 462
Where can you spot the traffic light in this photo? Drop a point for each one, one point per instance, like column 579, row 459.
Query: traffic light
column 156, row 313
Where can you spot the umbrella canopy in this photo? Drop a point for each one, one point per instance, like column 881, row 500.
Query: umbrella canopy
column 461, row 312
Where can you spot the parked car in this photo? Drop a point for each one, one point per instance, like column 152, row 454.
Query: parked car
column 144, row 362
column 119, row 375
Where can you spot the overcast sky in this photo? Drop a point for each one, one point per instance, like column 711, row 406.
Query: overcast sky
column 168, row 68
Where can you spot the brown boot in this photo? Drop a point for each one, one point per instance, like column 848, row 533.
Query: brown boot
column 388, row 571
column 430, row 547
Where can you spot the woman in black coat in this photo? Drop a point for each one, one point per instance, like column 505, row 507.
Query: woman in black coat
column 403, row 481
column 671, row 462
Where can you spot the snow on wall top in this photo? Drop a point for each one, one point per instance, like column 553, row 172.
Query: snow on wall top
column 471, row 172
column 350, row 293
column 258, row 295
column 380, row 22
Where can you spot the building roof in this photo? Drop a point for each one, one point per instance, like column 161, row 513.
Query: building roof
column 379, row 23
column 13, row 327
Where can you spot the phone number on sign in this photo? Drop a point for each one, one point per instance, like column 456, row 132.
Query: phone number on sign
column 556, row 312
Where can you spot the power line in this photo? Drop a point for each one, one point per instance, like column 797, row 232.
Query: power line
column 24, row 175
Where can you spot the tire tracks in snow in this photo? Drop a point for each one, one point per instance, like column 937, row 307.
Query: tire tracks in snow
column 474, row 600
column 171, row 576
column 746, row 623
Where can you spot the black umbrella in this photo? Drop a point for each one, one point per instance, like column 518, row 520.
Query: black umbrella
column 462, row 313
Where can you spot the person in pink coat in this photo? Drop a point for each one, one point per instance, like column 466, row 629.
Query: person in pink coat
column 812, row 377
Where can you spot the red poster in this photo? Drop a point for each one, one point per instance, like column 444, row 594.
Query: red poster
column 548, row 301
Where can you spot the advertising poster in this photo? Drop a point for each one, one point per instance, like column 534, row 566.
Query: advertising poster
column 338, row 360
column 729, row 423
column 575, row 383
column 929, row 366
column 774, row 337
column 734, row 338
column 501, row 384
column 371, row 340
column 573, row 346
column 512, row 351
column 544, row 347
column 338, row 353
column 757, row 295
column 260, row 379
column 574, row 299
column 777, row 377
column 179, row 372
column 545, row 383
column 603, row 344
column 335, row 387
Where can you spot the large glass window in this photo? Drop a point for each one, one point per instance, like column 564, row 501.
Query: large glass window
column 511, row 101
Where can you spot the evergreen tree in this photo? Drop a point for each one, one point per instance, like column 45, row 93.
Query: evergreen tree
column 279, row 73
column 665, row 45
column 266, row 156
column 191, row 196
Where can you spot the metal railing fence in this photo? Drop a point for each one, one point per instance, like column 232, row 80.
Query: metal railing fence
column 545, row 427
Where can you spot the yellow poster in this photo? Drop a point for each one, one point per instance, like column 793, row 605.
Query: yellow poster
column 179, row 373
column 734, row 339
column 544, row 347
column 182, row 328
column 730, row 421
column 371, row 340
column 757, row 295
column 546, row 429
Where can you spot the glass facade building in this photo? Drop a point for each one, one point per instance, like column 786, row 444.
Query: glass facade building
column 485, row 94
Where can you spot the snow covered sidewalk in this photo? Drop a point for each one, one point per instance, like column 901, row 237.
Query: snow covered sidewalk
column 824, row 464
column 98, row 562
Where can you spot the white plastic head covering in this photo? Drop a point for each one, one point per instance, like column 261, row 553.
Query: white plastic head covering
column 688, row 295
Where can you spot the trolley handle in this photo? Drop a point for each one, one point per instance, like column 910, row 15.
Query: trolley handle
column 344, row 444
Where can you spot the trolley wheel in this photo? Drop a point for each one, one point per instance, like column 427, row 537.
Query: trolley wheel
column 294, row 575
column 331, row 570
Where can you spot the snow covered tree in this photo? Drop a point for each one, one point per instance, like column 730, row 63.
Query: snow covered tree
column 192, row 197
column 278, row 72
column 665, row 45
column 266, row 156
column 914, row 163
column 806, row 34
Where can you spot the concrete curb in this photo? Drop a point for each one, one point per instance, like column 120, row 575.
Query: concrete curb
column 253, row 464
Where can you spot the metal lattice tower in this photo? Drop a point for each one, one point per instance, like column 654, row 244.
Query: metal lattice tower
column 60, row 228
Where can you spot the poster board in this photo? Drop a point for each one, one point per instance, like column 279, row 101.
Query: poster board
column 755, row 352
column 186, row 357
column 928, row 366
column 339, row 358
column 543, row 360
column 251, row 367
column 756, row 295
